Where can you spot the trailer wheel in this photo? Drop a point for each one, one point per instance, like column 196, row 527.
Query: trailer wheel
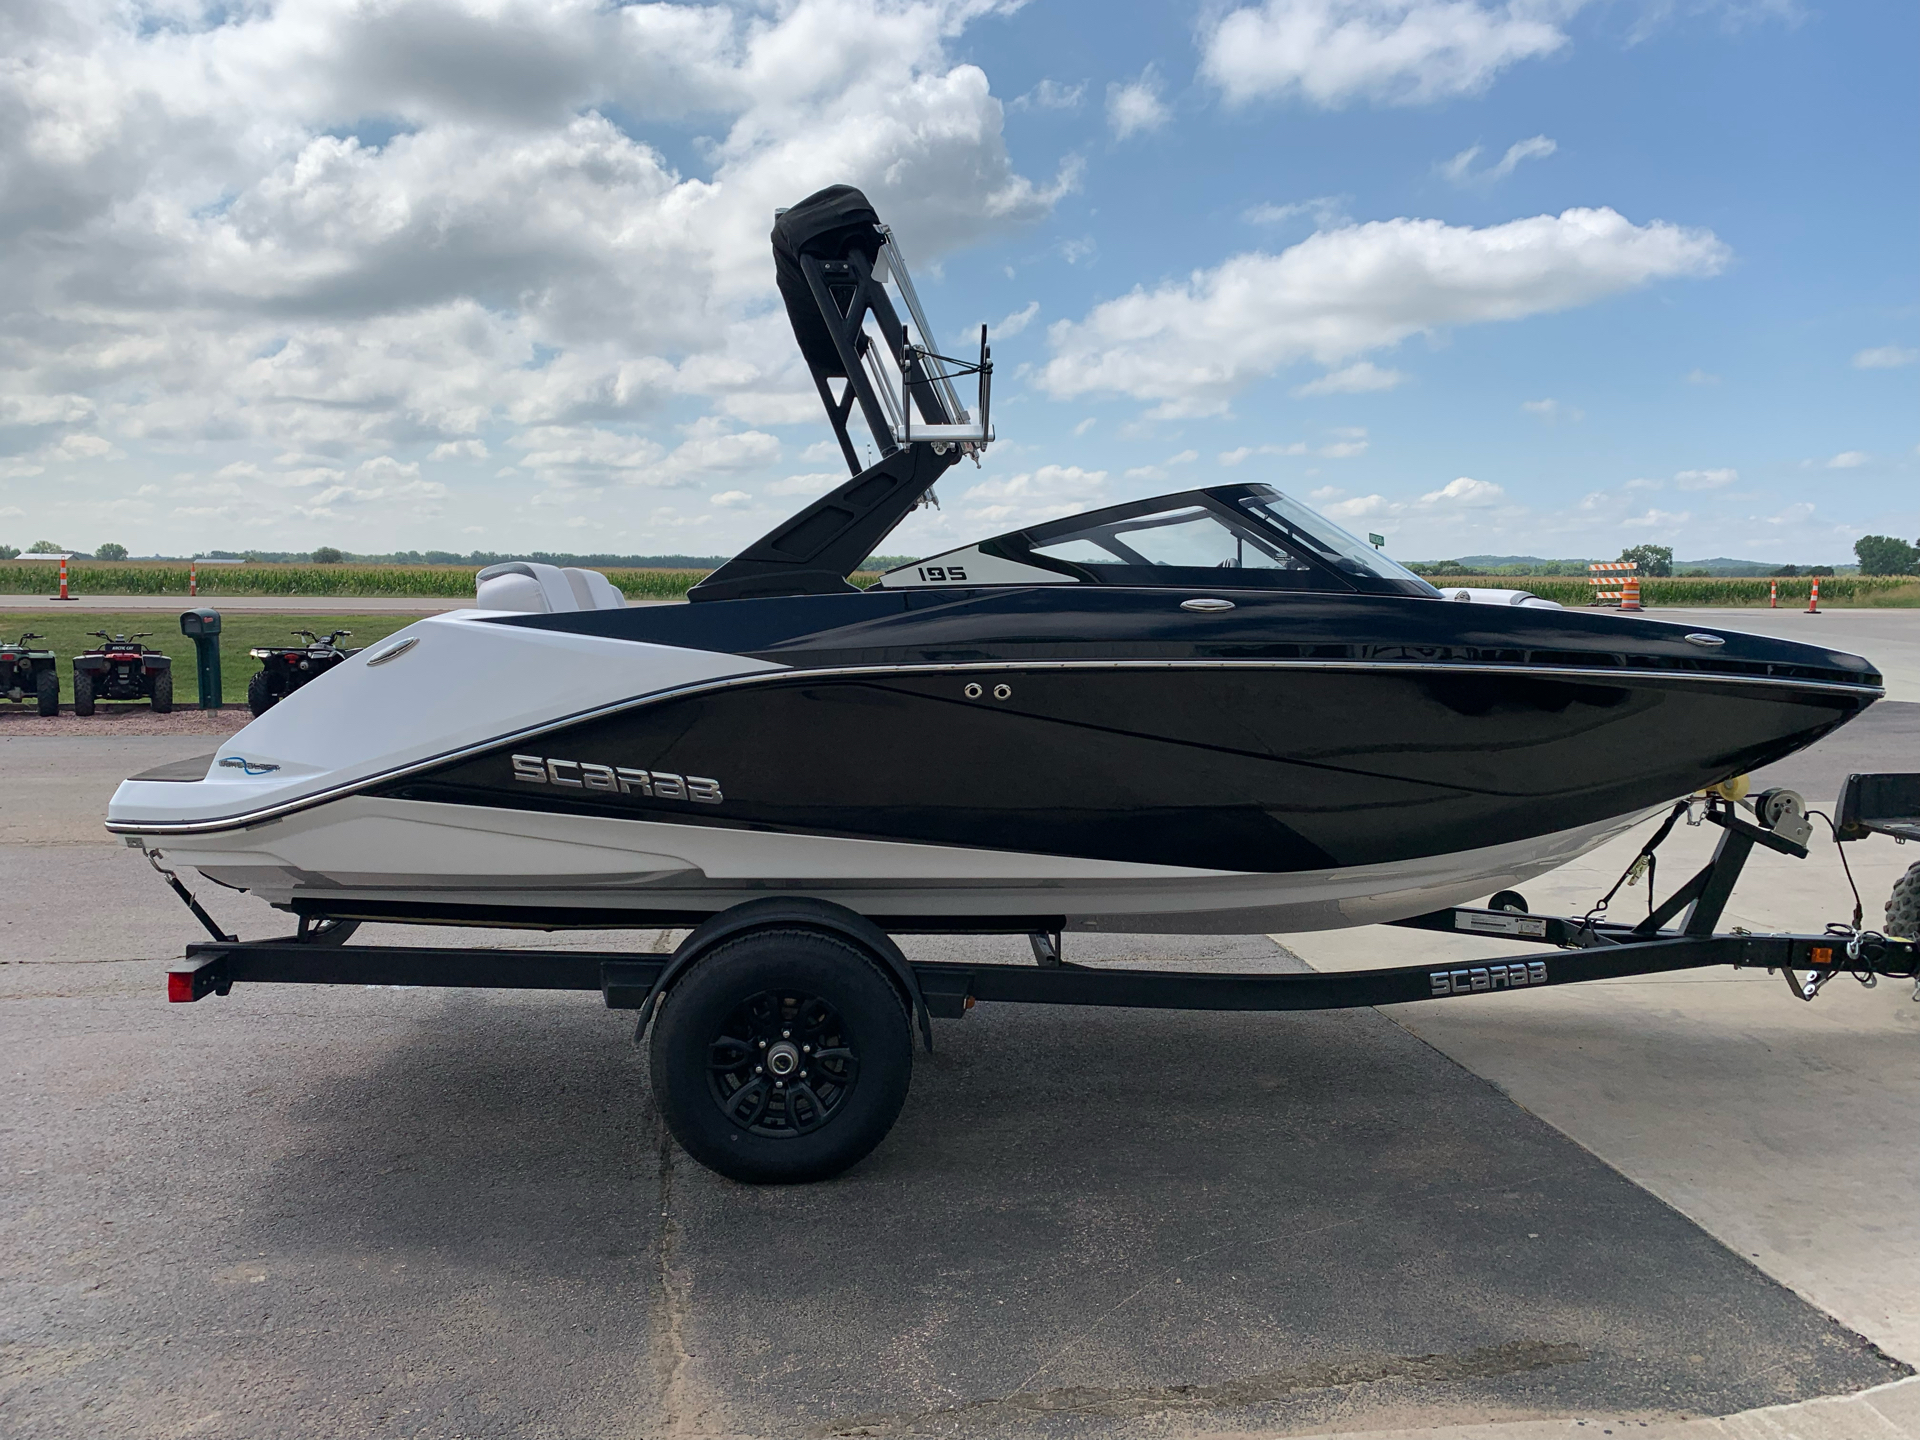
column 48, row 684
column 783, row 1056
column 260, row 692
column 83, row 692
column 1903, row 905
column 162, row 693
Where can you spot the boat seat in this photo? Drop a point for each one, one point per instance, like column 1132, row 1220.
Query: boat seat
column 529, row 587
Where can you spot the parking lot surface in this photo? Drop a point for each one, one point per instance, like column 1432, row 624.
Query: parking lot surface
column 372, row 1212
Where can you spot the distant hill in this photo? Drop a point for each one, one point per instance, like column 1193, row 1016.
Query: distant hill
column 1521, row 564
column 1498, row 560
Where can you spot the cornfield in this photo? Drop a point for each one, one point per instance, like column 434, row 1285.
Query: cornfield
column 1658, row 591
column 443, row 582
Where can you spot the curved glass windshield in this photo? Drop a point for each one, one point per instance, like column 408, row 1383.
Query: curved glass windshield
column 1191, row 537
column 1321, row 537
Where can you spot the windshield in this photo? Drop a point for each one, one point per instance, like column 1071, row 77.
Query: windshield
column 1320, row 536
column 1191, row 537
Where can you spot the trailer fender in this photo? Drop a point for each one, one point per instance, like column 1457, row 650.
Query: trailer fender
column 781, row 912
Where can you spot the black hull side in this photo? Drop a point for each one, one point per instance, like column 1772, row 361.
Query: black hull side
column 1272, row 768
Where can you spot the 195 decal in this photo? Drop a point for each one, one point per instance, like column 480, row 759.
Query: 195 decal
column 616, row 779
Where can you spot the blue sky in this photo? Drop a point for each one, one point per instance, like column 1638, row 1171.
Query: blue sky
column 1548, row 278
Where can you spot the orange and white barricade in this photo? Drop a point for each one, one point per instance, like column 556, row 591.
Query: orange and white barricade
column 1619, row 574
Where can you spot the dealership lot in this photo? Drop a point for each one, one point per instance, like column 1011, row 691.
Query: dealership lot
column 409, row 1212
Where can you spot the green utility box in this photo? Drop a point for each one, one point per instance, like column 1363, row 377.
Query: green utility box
column 203, row 628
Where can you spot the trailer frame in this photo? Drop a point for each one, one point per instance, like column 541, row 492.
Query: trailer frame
column 1586, row 948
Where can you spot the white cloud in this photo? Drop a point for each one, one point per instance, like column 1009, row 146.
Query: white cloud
column 1884, row 357
column 1461, row 172
column 1161, row 471
column 1465, row 491
column 1327, row 212
column 1136, row 107
column 1657, row 522
column 1192, row 345
column 1354, row 379
column 811, row 485
column 1697, row 376
column 460, row 450
column 1032, row 496
column 1363, row 507
column 1705, row 479
column 575, row 455
column 45, row 409
column 221, row 262
column 1551, row 410
column 1406, row 52
column 1849, row 460
column 731, row 499
column 1247, row 452
column 1050, row 95
column 1008, row 327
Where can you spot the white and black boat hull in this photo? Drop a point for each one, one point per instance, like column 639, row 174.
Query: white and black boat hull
column 1046, row 785
column 378, row 859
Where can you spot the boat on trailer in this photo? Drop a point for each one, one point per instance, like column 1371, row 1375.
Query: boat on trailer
column 1205, row 711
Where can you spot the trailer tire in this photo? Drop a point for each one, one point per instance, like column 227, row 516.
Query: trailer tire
column 82, row 692
column 47, row 684
column 260, row 693
column 162, row 694
column 804, row 1003
column 1903, row 905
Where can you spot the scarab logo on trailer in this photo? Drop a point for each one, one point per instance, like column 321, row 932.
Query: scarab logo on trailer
column 1478, row 979
column 616, row 779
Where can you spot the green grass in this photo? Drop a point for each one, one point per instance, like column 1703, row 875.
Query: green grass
column 1865, row 590
column 67, row 636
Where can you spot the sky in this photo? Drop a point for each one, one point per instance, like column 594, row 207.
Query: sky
column 1545, row 277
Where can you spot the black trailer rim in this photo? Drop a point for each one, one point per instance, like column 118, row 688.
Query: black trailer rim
column 782, row 1064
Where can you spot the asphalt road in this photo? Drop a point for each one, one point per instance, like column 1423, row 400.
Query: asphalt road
column 387, row 1212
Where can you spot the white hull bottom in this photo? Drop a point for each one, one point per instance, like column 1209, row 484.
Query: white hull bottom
column 519, row 864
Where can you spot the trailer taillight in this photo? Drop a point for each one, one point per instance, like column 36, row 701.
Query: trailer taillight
column 180, row 987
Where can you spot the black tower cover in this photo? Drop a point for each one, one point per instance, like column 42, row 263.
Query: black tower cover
column 828, row 224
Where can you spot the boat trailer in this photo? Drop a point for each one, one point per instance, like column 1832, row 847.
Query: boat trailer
column 1588, row 947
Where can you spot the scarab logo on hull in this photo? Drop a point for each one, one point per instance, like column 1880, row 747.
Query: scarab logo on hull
column 616, row 779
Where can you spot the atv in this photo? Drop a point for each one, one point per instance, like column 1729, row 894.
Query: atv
column 25, row 671
column 122, row 669
column 284, row 669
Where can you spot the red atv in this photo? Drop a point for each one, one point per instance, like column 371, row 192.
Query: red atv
column 122, row 669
